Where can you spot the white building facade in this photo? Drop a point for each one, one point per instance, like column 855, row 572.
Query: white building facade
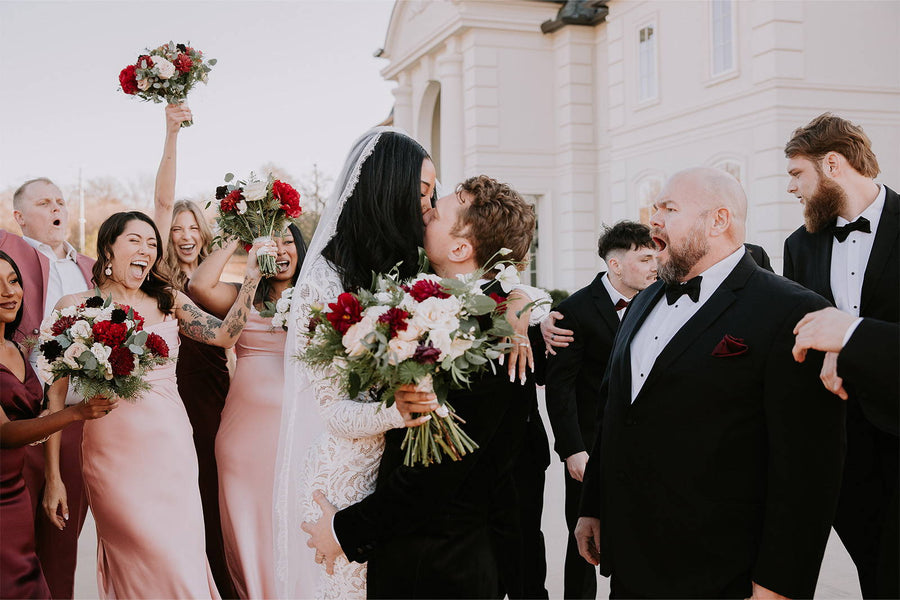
column 588, row 120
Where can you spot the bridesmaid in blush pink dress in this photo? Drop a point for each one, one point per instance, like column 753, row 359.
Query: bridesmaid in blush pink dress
column 247, row 442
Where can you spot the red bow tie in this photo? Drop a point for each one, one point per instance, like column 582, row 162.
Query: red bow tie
column 621, row 303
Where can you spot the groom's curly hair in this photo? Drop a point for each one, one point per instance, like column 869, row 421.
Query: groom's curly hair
column 497, row 217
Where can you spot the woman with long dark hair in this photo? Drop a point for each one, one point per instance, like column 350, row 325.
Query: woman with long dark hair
column 21, row 396
column 202, row 370
column 140, row 467
column 247, row 441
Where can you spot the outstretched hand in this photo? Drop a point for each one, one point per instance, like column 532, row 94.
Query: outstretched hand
column 175, row 115
column 321, row 538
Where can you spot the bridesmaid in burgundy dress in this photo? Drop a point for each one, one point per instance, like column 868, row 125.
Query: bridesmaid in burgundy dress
column 202, row 370
column 21, row 395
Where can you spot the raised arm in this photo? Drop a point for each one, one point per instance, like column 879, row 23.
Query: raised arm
column 206, row 285
column 199, row 325
column 164, row 192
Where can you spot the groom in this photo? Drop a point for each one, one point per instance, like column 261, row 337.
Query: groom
column 464, row 539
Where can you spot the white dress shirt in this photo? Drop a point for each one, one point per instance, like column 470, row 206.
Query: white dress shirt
column 850, row 258
column 614, row 295
column 64, row 278
column 665, row 320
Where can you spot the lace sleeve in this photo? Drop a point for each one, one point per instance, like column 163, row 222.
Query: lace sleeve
column 342, row 416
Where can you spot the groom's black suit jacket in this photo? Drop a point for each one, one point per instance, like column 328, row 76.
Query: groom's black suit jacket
column 725, row 469
column 871, row 475
column 450, row 530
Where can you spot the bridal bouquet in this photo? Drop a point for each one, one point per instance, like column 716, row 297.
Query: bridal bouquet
column 255, row 210
column 102, row 347
column 166, row 73
column 438, row 334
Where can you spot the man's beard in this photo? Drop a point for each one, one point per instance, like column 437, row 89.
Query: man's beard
column 683, row 258
column 823, row 207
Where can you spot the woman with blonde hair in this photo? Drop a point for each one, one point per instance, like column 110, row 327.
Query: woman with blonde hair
column 202, row 370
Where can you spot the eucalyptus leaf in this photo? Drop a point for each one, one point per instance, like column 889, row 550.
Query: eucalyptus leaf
column 229, row 177
column 136, row 349
column 212, row 61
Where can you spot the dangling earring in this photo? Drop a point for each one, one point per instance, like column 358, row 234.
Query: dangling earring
column 108, row 271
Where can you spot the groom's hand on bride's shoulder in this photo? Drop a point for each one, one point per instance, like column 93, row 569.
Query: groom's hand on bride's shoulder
column 410, row 400
column 321, row 534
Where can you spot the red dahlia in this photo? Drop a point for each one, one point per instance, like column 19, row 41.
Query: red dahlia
column 425, row 288
column 229, row 202
column 345, row 312
column 109, row 333
column 157, row 345
column 62, row 324
column 122, row 361
column 288, row 197
column 128, row 80
column 395, row 318
column 183, row 63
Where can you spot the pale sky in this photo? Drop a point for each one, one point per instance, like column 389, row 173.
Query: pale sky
column 296, row 82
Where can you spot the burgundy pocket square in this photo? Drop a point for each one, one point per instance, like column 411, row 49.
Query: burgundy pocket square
column 730, row 346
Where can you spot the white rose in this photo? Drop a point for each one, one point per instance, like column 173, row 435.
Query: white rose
column 47, row 329
column 411, row 333
column 68, row 311
column 242, row 207
column 440, row 339
column 100, row 352
column 356, row 335
column 143, row 84
column 255, row 191
column 91, row 312
column 72, row 353
column 433, row 313
column 81, row 331
column 373, row 312
column 425, row 277
column 400, row 350
column 459, row 346
column 283, row 305
column 508, row 277
column 164, row 68
column 277, row 320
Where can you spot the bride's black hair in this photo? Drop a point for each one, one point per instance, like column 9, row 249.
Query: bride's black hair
column 381, row 222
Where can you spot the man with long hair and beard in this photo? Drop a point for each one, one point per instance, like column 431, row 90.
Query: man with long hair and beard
column 718, row 466
column 848, row 252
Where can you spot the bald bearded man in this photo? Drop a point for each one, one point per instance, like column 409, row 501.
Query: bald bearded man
column 720, row 457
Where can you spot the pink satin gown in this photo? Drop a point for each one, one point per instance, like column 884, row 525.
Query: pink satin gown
column 140, row 473
column 246, row 446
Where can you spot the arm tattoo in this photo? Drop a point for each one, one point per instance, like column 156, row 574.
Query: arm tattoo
column 198, row 325
column 205, row 328
column 237, row 316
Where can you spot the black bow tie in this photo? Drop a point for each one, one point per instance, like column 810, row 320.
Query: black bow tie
column 620, row 304
column 841, row 233
column 690, row 287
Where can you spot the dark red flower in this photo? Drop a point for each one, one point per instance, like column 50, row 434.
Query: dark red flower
column 230, row 202
column 425, row 288
column 183, row 63
column 221, row 192
column 109, row 333
column 345, row 312
column 288, row 197
column 128, row 80
column 247, row 247
column 118, row 315
column 147, row 64
column 396, row 320
column 157, row 345
column 137, row 318
column 426, row 355
column 94, row 302
column 62, row 324
column 51, row 350
column 313, row 323
column 122, row 361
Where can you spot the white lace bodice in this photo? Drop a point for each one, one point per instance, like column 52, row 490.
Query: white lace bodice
column 344, row 461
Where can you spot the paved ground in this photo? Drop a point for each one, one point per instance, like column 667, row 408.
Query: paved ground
column 837, row 578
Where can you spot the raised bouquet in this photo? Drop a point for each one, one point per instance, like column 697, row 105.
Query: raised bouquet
column 166, row 74
column 102, row 347
column 438, row 334
column 280, row 310
column 254, row 210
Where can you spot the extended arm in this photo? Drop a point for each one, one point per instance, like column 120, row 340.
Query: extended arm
column 206, row 285
column 164, row 192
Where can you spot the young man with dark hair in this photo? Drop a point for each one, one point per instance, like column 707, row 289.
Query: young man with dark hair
column 574, row 373
column 849, row 252
column 449, row 530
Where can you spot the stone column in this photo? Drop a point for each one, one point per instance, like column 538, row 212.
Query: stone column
column 450, row 74
column 403, row 108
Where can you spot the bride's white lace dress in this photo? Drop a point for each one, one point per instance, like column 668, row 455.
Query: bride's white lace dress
column 343, row 462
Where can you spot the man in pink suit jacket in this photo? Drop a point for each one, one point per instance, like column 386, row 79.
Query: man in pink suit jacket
column 50, row 269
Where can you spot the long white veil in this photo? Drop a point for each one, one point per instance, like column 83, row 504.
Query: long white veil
column 301, row 425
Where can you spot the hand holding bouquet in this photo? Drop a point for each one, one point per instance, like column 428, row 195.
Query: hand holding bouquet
column 102, row 347
column 253, row 210
column 438, row 334
column 166, row 74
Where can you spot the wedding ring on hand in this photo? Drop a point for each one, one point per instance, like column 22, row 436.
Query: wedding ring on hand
column 523, row 345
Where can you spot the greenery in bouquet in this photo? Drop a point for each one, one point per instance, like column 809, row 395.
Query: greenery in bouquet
column 102, row 347
column 254, row 209
column 436, row 333
column 166, row 74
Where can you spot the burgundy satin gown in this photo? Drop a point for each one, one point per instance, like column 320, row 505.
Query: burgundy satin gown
column 20, row 571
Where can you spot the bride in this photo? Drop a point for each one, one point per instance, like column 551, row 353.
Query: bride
column 373, row 220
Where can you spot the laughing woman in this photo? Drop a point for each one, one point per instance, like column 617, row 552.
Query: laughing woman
column 202, row 369
column 248, row 436
column 140, row 468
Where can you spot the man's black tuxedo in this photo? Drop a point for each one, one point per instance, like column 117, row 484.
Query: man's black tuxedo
column 760, row 256
column 871, row 471
column 870, row 359
column 574, row 376
column 726, row 468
